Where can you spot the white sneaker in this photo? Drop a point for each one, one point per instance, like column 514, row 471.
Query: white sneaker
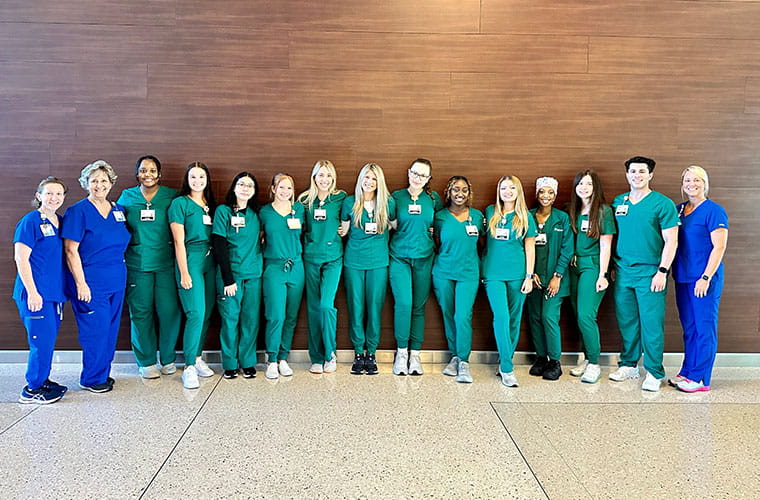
column 508, row 379
column 190, row 378
column 464, row 373
column 284, row 368
column 150, row 371
column 580, row 369
column 415, row 366
column 332, row 365
column 401, row 364
column 169, row 369
column 651, row 384
column 452, row 368
column 272, row 371
column 624, row 373
column 203, row 368
column 591, row 374
column 316, row 368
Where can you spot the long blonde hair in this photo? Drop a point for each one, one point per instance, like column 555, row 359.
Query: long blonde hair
column 382, row 195
column 307, row 197
column 520, row 220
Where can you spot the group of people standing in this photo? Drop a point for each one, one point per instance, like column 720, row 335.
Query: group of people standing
column 171, row 253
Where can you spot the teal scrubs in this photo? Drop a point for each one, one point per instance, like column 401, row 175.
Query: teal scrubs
column 503, row 271
column 552, row 256
column 584, row 273
column 240, row 312
column 411, row 263
column 641, row 312
column 456, row 275
column 323, row 260
column 151, row 289
column 283, row 278
column 198, row 300
column 365, row 276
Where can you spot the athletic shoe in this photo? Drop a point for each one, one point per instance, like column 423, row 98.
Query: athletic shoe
column 49, row 384
column 40, row 396
column 169, row 369
column 98, row 388
column 110, row 382
column 591, row 374
column 190, row 377
column 332, row 365
column 673, row 382
column 230, row 373
column 508, row 379
column 284, row 368
column 415, row 366
column 316, row 368
column 202, row 368
column 553, row 370
column 539, row 366
column 580, row 369
column 650, row 384
column 358, row 367
column 272, row 371
column 624, row 373
column 452, row 369
column 687, row 385
column 401, row 364
column 249, row 372
column 370, row 365
column 463, row 373
column 150, row 372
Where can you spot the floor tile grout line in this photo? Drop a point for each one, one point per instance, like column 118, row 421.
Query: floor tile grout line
column 18, row 420
column 181, row 437
column 642, row 403
column 517, row 447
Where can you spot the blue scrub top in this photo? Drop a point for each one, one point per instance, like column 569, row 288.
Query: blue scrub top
column 102, row 243
column 694, row 243
column 46, row 259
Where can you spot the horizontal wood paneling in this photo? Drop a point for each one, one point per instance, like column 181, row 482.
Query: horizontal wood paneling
column 36, row 121
column 752, row 96
column 110, row 12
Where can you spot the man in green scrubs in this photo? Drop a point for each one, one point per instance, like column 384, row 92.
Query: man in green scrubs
column 647, row 224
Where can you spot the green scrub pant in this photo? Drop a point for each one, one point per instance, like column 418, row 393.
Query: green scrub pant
column 586, row 301
column 506, row 301
column 155, row 315
column 410, row 283
column 365, row 296
column 456, row 299
column 197, row 302
column 240, row 322
column 543, row 319
column 641, row 319
column 321, row 287
column 283, row 289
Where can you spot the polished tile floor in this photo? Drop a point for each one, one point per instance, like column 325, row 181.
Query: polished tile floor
column 344, row 436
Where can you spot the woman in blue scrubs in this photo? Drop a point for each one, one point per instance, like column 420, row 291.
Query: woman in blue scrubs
column 95, row 238
column 38, row 290
column 698, row 273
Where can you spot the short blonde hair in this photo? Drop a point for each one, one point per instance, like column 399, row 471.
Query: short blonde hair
column 84, row 177
column 699, row 172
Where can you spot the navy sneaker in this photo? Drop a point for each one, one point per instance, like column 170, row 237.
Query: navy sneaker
column 370, row 364
column 249, row 372
column 359, row 363
column 99, row 388
column 39, row 396
column 49, row 384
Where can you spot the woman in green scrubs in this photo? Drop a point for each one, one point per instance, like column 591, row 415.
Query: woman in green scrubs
column 190, row 218
column 507, row 268
column 592, row 222
column 367, row 217
column 554, row 250
column 151, row 289
column 411, row 264
column 323, row 260
column 237, row 251
column 283, row 278
column 456, row 271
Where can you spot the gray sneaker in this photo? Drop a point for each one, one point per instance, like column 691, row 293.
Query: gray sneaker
column 464, row 376
column 508, row 379
column 452, row 367
column 401, row 364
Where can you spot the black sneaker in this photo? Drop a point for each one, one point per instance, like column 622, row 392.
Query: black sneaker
column 553, row 370
column 230, row 373
column 110, row 382
column 538, row 366
column 99, row 388
column 40, row 396
column 370, row 365
column 249, row 372
column 49, row 384
column 359, row 364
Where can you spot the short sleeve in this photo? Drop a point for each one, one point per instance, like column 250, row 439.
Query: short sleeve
column 74, row 227
column 437, row 203
column 717, row 218
column 26, row 232
column 177, row 212
column 532, row 229
column 668, row 214
column 221, row 221
column 300, row 212
column 346, row 209
column 392, row 209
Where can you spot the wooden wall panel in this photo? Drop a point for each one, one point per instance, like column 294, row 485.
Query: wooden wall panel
column 752, row 96
column 109, row 12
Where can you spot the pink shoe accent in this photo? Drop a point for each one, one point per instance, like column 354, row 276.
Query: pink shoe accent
column 690, row 386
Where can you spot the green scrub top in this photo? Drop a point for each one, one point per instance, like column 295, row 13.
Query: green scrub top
column 322, row 243
column 639, row 245
column 457, row 257
column 412, row 239
column 365, row 251
column 504, row 260
column 151, row 247
column 556, row 254
column 185, row 211
column 243, row 241
column 281, row 242
column 589, row 247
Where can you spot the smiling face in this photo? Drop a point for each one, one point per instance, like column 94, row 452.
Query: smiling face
column 638, row 176
column 283, row 190
column 369, row 182
column 244, row 190
column 419, row 174
column 197, row 180
column 324, row 179
column 459, row 193
column 52, row 196
column 546, row 196
column 147, row 174
column 585, row 188
column 507, row 191
column 693, row 185
column 99, row 184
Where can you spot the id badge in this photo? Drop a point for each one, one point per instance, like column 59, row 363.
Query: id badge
column 294, row 223
column 621, row 210
column 320, row 214
column 207, row 219
column 148, row 215
column 415, row 209
column 472, row 230
column 584, row 225
column 541, row 239
column 370, row 228
column 237, row 221
column 502, row 233
column 47, row 229
column 119, row 216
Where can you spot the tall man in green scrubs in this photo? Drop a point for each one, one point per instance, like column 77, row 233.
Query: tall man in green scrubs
column 647, row 224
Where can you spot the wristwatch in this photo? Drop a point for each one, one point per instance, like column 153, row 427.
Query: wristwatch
column 527, row 275
column 663, row 270
column 705, row 277
column 558, row 275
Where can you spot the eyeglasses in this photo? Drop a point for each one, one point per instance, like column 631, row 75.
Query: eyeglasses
column 418, row 175
column 248, row 185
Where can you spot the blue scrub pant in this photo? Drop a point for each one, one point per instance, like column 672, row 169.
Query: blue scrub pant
column 283, row 289
column 41, row 331
column 410, row 284
column 456, row 298
column 197, row 302
column 699, row 319
column 321, row 287
column 98, row 323
column 365, row 295
column 507, row 302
